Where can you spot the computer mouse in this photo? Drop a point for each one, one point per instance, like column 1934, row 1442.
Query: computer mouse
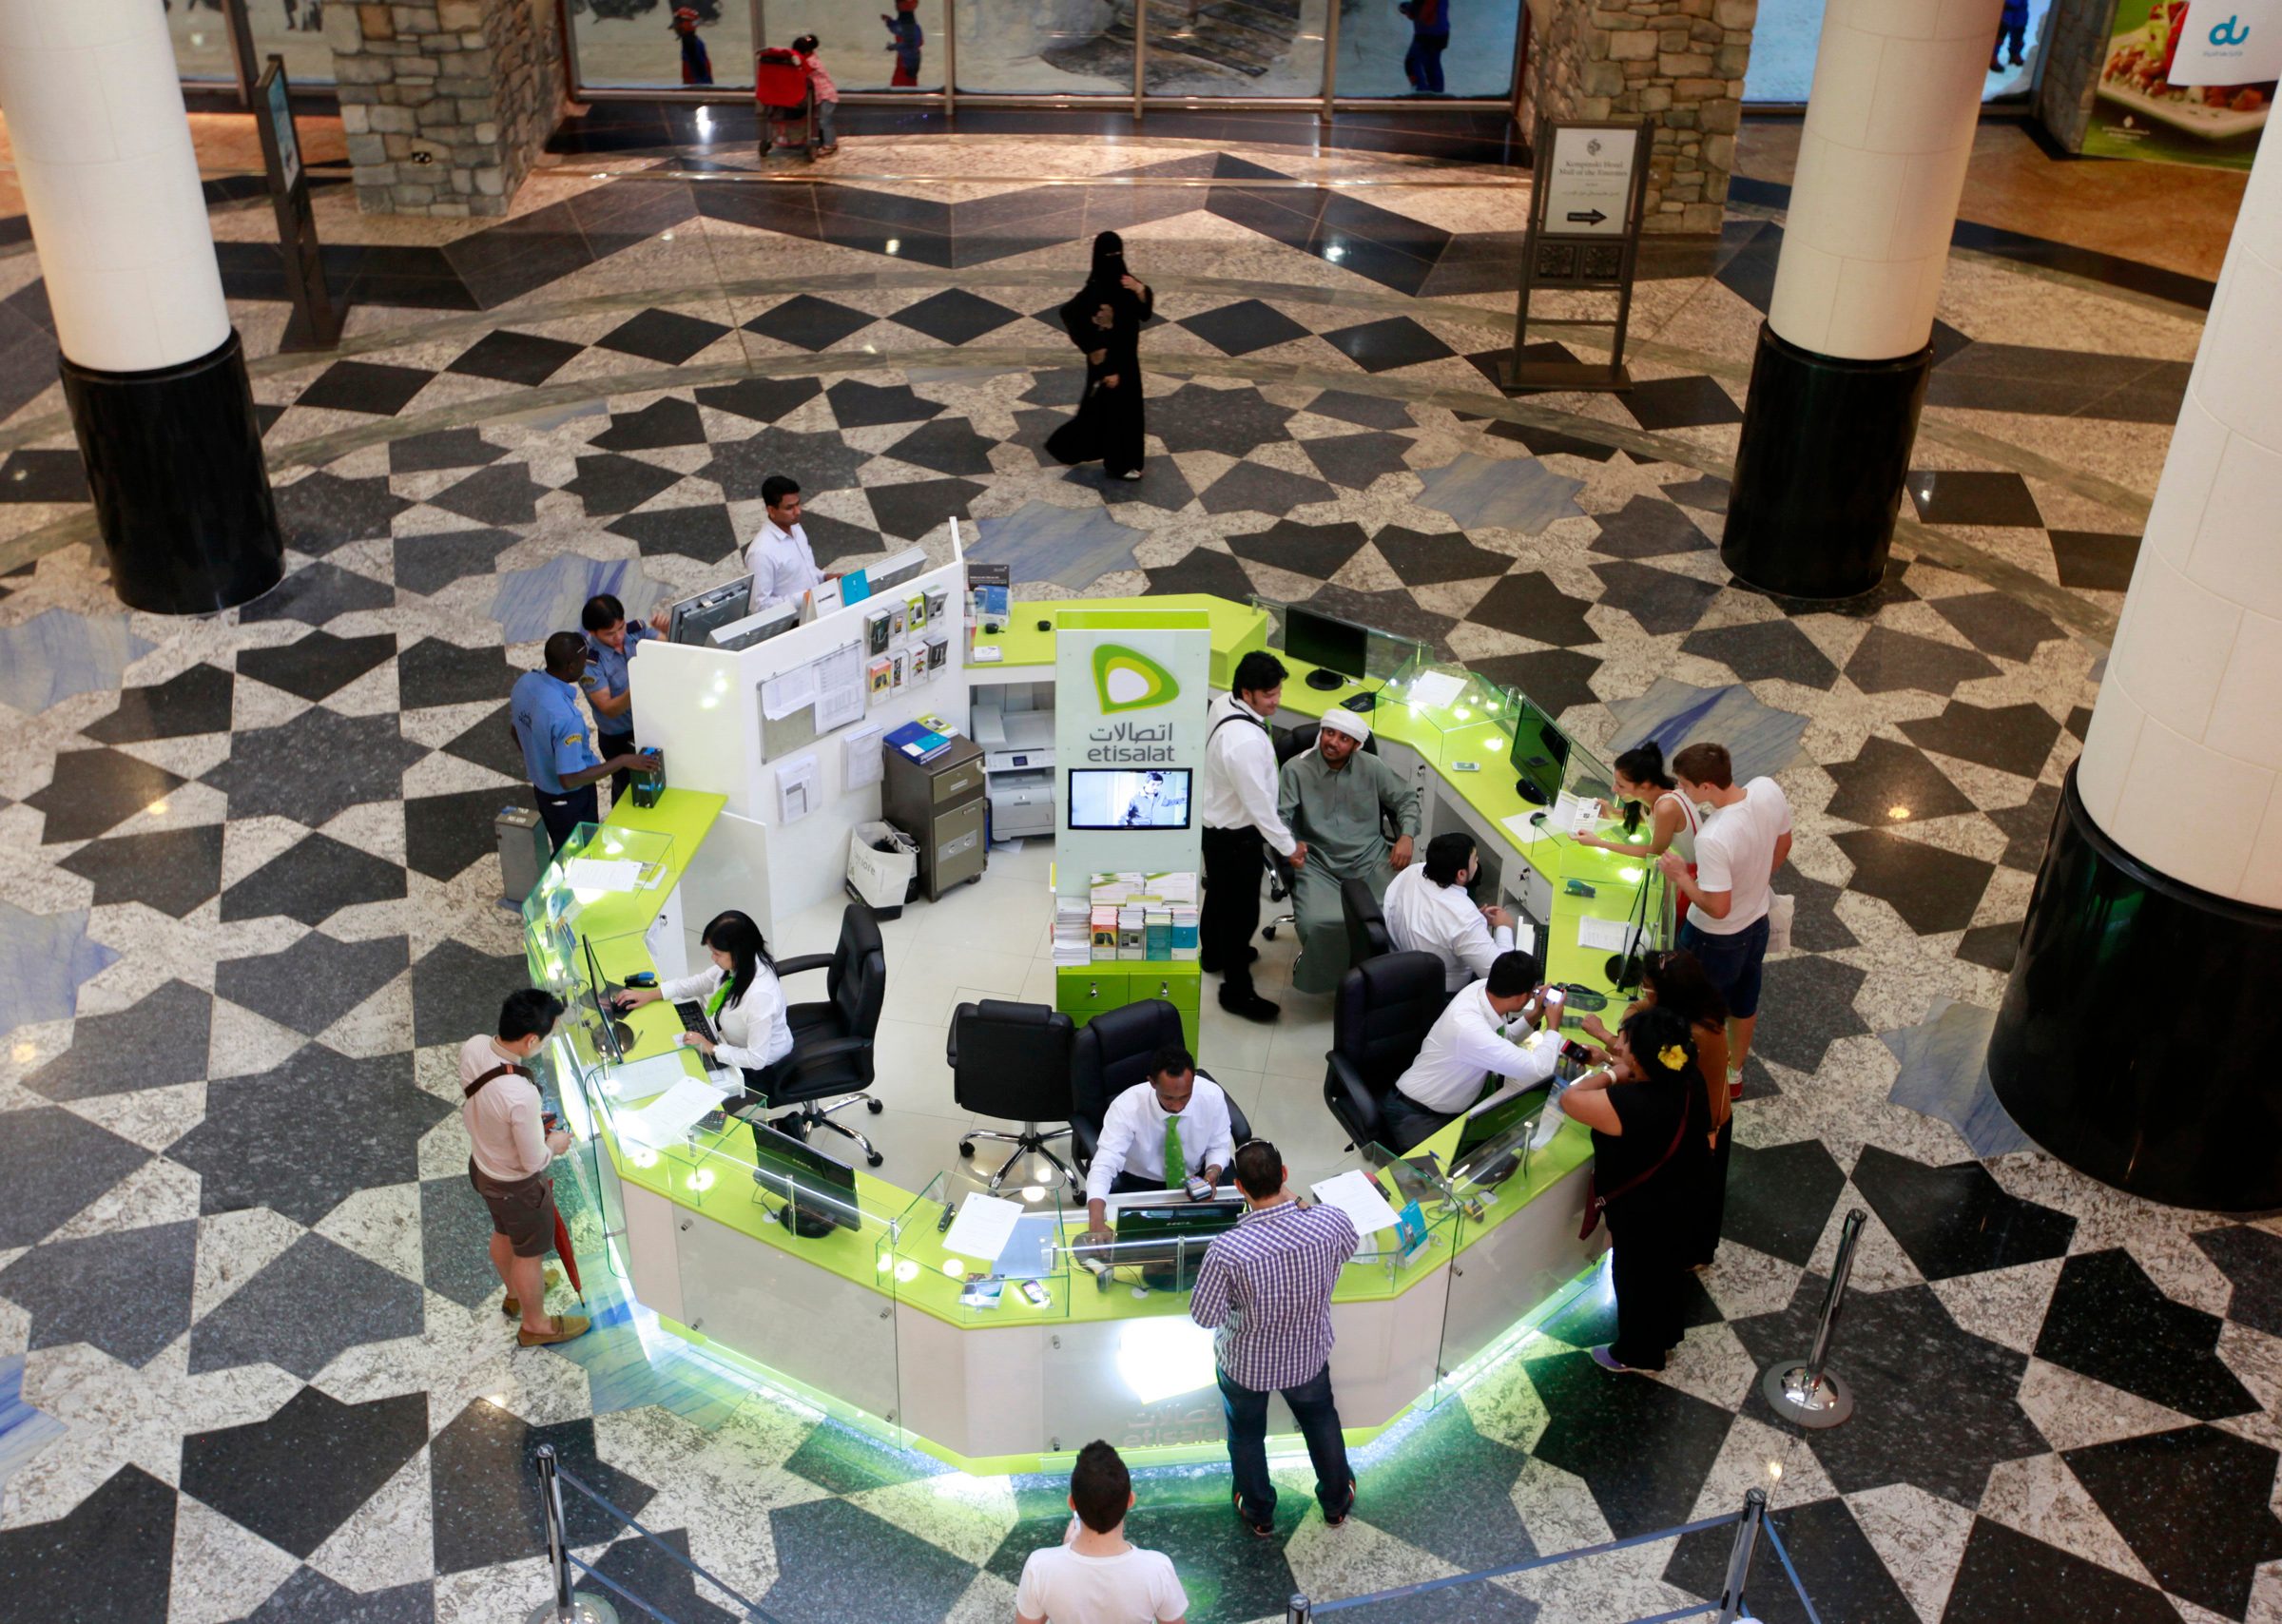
column 1045, row 626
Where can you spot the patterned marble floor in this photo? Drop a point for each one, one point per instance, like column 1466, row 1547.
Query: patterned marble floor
column 249, row 1364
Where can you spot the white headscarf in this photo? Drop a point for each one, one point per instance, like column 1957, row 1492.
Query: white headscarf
column 1348, row 722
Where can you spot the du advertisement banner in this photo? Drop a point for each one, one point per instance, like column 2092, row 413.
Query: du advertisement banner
column 1129, row 696
column 2186, row 81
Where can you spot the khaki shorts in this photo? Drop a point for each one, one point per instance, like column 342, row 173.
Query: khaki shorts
column 522, row 1210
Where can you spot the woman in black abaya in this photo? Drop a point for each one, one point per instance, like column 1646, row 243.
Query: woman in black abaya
column 1105, row 321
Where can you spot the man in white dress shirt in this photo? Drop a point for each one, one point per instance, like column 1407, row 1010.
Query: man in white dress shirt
column 783, row 568
column 1239, row 816
column 1486, row 1031
column 1172, row 1131
column 1427, row 910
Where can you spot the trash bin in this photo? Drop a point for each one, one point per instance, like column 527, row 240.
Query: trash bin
column 883, row 867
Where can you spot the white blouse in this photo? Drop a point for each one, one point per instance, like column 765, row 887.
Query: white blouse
column 754, row 1031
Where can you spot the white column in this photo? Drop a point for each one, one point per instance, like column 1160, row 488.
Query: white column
column 103, row 151
column 1882, row 162
column 2183, row 766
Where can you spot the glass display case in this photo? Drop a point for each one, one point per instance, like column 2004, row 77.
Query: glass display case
column 1026, row 1281
column 603, row 879
column 1453, row 715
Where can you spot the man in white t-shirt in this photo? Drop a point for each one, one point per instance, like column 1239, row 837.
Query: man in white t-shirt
column 1093, row 1576
column 1737, row 851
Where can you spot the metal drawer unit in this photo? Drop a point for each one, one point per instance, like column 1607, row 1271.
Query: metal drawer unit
column 939, row 804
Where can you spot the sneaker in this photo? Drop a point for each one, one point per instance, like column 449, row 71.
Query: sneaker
column 1607, row 1361
column 564, row 1326
column 1252, row 1008
column 1131, row 473
column 1734, row 1085
column 1260, row 1530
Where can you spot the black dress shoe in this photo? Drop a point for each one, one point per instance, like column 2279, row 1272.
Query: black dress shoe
column 1252, row 1008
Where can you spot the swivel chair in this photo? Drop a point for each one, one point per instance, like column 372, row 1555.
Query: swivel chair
column 1384, row 1009
column 1112, row 1054
column 1012, row 1060
column 1367, row 924
column 831, row 1055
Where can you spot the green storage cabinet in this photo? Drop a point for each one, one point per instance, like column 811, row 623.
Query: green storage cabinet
column 1083, row 991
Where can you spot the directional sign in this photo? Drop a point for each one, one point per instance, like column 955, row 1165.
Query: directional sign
column 1588, row 181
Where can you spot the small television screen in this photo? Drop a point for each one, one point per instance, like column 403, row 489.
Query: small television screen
column 1337, row 646
column 1541, row 753
column 1116, row 797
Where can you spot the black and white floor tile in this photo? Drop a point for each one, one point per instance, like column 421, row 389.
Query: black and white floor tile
column 251, row 1367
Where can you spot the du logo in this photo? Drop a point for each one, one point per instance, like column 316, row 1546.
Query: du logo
column 1126, row 678
column 2230, row 32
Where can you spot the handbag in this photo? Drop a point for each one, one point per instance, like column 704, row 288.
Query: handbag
column 1780, row 910
column 1596, row 1202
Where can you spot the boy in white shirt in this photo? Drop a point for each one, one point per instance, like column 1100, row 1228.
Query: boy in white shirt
column 1737, row 851
column 1094, row 1577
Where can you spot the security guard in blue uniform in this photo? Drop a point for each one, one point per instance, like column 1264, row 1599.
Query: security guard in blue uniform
column 612, row 640
column 553, row 733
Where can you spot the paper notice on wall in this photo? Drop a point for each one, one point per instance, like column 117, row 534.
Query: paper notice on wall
column 840, row 687
column 788, row 691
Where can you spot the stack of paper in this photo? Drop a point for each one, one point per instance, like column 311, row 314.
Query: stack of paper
column 1073, row 931
column 1157, row 934
column 1174, row 887
column 1105, row 933
column 1114, row 890
column 665, row 1119
column 1132, row 933
column 1184, row 933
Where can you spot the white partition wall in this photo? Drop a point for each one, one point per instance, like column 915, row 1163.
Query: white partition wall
column 703, row 707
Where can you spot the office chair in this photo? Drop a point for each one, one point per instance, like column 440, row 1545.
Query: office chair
column 832, row 1040
column 1279, row 871
column 1012, row 1060
column 1112, row 1055
column 1385, row 1007
column 1367, row 924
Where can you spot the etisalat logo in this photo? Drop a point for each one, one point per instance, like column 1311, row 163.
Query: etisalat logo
column 2231, row 33
column 1126, row 678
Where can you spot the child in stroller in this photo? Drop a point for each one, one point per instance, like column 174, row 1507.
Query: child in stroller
column 798, row 99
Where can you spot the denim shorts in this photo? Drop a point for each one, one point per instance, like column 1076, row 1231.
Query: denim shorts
column 1730, row 962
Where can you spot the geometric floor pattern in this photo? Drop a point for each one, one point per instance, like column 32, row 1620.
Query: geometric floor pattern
column 251, row 1365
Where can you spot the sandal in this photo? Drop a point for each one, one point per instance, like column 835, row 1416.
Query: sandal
column 561, row 1327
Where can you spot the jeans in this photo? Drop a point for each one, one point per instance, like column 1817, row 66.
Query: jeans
column 1423, row 65
column 828, row 114
column 1732, row 963
column 1311, row 1406
column 1403, row 1127
column 609, row 746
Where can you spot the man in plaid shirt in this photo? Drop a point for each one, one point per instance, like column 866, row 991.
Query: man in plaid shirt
column 1264, row 1289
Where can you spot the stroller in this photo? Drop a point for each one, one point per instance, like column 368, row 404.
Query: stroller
column 788, row 113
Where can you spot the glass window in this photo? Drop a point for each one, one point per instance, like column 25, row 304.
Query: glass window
column 1046, row 48
column 294, row 30
column 890, row 45
column 1236, row 48
column 634, row 44
column 1789, row 33
column 1428, row 47
column 201, row 41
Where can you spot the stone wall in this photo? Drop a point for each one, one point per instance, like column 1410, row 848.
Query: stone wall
column 446, row 102
column 1679, row 63
column 2074, row 39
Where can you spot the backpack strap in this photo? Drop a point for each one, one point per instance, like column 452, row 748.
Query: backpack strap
column 477, row 1086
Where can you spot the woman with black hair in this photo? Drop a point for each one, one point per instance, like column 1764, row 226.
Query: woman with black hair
column 1104, row 319
column 1639, row 781
column 741, row 998
column 1647, row 1112
column 1676, row 981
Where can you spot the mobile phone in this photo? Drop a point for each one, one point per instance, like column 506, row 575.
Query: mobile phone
column 1040, row 1297
column 1465, row 767
column 1556, row 997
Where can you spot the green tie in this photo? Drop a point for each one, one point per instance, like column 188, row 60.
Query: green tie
column 1176, row 1164
column 721, row 997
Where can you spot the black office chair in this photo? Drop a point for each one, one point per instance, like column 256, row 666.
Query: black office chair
column 831, row 1055
column 1279, row 871
column 1112, row 1055
column 1012, row 1060
column 1367, row 924
column 1385, row 1007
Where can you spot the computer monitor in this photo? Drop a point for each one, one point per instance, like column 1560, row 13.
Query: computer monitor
column 694, row 619
column 1122, row 797
column 1540, row 755
column 819, row 1191
column 613, row 1036
column 1486, row 1122
column 1160, row 1238
column 773, row 620
column 897, row 568
column 1335, row 647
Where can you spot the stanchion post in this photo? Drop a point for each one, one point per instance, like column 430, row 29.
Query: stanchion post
column 1740, row 1555
column 564, row 1608
column 1299, row 1610
column 1805, row 1390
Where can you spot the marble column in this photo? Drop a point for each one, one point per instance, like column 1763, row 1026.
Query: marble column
column 2141, row 1037
column 1846, row 349
column 152, row 370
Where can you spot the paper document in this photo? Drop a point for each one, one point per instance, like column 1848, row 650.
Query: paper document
column 1605, row 936
column 1431, row 691
column 840, row 687
column 665, row 1119
column 984, row 1224
column 601, row 873
column 788, row 691
column 645, row 1080
column 1573, row 815
column 1524, row 832
column 1358, row 1195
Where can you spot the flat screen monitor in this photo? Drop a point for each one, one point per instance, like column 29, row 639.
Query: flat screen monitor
column 613, row 1037
column 773, row 620
column 1486, row 1122
column 695, row 619
column 1540, row 756
column 1121, row 798
column 1168, row 1242
column 897, row 568
column 1336, row 647
column 820, row 1192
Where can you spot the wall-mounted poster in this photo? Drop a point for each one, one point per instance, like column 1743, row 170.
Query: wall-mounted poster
column 2141, row 110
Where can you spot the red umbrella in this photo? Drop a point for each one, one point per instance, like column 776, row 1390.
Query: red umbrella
column 563, row 1251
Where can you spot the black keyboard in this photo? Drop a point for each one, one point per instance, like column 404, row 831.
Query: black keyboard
column 693, row 1019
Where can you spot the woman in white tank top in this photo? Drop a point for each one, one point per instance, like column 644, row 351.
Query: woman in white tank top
column 1639, row 777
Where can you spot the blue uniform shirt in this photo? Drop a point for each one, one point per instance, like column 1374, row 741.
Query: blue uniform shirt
column 551, row 729
column 606, row 673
